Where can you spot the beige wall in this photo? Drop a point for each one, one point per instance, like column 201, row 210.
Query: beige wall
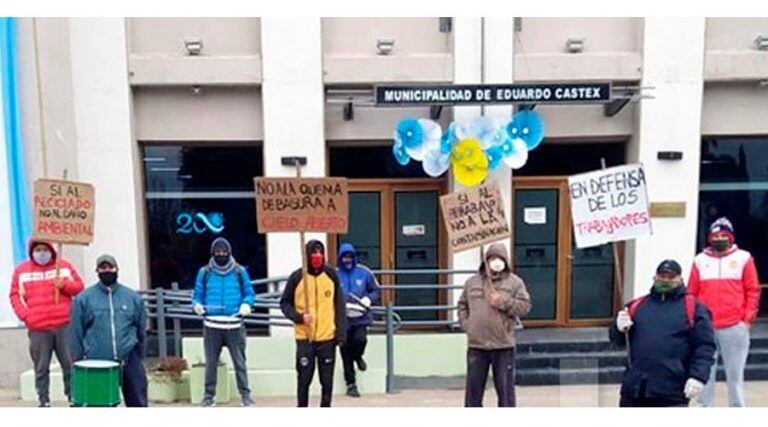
column 731, row 53
column 421, row 52
column 611, row 49
column 735, row 109
column 217, row 114
column 231, row 52
column 221, row 36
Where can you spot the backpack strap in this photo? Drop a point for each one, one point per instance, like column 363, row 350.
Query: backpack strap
column 240, row 279
column 206, row 276
column 690, row 310
column 634, row 305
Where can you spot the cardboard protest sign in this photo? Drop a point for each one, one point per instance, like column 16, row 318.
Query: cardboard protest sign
column 609, row 205
column 474, row 217
column 63, row 211
column 302, row 204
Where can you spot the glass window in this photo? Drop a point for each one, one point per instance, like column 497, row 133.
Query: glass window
column 194, row 195
column 734, row 183
column 371, row 162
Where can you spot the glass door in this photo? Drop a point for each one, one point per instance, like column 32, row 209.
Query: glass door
column 568, row 286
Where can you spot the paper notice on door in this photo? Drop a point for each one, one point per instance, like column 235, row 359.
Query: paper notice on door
column 535, row 216
column 414, row 230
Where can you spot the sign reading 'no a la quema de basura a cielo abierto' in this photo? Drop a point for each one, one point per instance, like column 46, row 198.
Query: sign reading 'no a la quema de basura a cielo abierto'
column 537, row 93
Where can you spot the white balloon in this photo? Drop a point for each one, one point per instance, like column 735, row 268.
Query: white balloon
column 519, row 155
column 432, row 135
column 436, row 163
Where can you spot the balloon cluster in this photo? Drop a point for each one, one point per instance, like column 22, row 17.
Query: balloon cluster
column 470, row 149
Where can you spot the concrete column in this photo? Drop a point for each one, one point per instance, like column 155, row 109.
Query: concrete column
column 467, row 69
column 673, row 63
column 498, row 67
column 293, row 105
column 106, row 153
column 293, row 115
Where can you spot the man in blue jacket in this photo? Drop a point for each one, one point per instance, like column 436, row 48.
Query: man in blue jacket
column 671, row 340
column 360, row 291
column 223, row 293
column 108, row 322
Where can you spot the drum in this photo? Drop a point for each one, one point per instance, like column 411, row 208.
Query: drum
column 96, row 383
column 355, row 310
column 223, row 322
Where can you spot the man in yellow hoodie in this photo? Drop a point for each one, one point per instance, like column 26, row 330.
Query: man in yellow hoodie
column 320, row 324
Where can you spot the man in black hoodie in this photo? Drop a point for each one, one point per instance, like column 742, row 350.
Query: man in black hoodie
column 672, row 343
column 314, row 302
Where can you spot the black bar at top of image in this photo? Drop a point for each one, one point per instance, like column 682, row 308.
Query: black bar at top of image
column 536, row 93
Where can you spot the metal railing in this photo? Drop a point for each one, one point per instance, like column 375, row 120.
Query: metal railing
column 175, row 305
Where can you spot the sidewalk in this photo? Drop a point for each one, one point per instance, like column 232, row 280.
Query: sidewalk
column 539, row 396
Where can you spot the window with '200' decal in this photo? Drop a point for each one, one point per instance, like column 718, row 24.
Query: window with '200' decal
column 199, row 223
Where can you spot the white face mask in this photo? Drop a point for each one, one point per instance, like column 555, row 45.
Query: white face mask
column 42, row 257
column 497, row 265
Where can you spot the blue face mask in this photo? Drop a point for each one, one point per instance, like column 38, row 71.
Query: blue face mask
column 42, row 258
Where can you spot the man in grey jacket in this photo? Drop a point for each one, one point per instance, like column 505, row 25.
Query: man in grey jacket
column 108, row 322
column 487, row 311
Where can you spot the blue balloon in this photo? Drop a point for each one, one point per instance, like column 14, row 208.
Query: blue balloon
column 410, row 132
column 448, row 139
column 528, row 126
column 495, row 155
column 400, row 155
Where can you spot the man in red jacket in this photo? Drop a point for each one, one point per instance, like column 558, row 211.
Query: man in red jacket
column 724, row 278
column 33, row 297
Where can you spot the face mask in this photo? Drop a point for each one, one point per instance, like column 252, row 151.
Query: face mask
column 497, row 265
column 348, row 264
column 720, row 245
column 220, row 260
column 108, row 278
column 664, row 286
column 317, row 260
column 42, row 258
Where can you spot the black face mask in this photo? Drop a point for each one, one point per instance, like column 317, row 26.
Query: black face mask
column 108, row 278
column 720, row 245
column 221, row 261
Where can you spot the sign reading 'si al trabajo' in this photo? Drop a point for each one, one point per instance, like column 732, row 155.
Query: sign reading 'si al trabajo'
column 541, row 93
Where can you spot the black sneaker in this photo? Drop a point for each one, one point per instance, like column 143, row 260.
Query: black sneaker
column 44, row 404
column 352, row 391
column 208, row 402
column 246, row 401
column 361, row 365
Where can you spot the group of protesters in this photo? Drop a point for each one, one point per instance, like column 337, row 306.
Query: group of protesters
column 675, row 333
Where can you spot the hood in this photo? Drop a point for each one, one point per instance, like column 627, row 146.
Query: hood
column 309, row 248
column 31, row 243
column 346, row 248
column 499, row 250
column 221, row 242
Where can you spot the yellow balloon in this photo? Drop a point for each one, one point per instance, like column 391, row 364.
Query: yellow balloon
column 471, row 175
column 468, row 152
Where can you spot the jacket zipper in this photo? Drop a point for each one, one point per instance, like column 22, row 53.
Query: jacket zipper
column 316, row 320
column 112, row 321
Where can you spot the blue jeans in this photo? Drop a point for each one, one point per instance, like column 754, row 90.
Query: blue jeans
column 134, row 380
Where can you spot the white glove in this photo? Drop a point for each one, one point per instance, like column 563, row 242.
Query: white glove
column 245, row 310
column 365, row 301
column 199, row 310
column 692, row 388
column 623, row 321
